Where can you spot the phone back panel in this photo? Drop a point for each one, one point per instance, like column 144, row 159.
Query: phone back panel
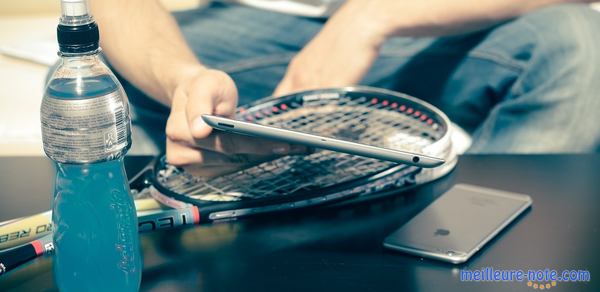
column 458, row 223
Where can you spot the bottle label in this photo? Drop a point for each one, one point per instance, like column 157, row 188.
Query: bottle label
column 85, row 130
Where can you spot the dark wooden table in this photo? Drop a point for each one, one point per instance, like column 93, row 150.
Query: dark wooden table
column 340, row 248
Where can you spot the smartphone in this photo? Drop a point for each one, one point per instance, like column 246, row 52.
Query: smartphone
column 459, row 223
column 333, row 144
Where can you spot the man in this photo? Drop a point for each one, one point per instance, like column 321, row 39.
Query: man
column 520, row 76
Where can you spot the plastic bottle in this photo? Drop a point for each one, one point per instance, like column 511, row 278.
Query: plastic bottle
column 86, row 132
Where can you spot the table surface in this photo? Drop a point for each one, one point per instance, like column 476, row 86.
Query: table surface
column 340, row 248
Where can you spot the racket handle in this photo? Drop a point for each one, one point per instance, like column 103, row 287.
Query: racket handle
column 17, row 256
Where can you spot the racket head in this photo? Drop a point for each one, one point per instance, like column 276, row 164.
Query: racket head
column 359, row 114
column 410, row 118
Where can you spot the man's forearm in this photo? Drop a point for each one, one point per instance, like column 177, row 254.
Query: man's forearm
column 143, row 42
column 441, row 17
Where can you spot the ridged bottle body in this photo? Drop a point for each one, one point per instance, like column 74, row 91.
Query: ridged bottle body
column 86, row 131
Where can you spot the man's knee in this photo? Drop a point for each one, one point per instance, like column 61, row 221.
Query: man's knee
column 563, row 30
column 557, row 46
column 557, row 49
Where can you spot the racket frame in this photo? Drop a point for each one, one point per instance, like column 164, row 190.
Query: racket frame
column 400, row 176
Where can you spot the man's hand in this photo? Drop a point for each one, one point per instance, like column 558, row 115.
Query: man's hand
column 344, row 50
column 340, row 55
column 190, row 140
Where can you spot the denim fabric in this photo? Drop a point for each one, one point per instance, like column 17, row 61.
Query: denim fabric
column 530, row 85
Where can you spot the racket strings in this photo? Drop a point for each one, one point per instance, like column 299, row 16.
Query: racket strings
column 357, row 120
column 354, row 119
column 286, row 175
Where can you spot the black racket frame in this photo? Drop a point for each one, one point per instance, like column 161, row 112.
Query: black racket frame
column 375, row 185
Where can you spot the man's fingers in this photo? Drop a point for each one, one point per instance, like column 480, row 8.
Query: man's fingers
column 200, row 101
column 180, row 154
column 228, row 97
column 226, row 109
column 282, row 88
column 177, row 128
column 214, row 94
column 228, row 143
column 293, row 82
column 232, row 143
column 210, row 171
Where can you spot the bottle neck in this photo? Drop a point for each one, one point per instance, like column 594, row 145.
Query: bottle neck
column 86, row 57
column 92, row 55
column 82, row 63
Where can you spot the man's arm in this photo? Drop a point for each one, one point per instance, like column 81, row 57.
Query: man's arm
column 352, row 37
column 445, row 17
column 143, row 42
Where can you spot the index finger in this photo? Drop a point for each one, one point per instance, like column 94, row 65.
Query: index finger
column 230, row 143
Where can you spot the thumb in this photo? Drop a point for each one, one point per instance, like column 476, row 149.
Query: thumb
column 200, row 102
column 226, row 104
column 214, row 93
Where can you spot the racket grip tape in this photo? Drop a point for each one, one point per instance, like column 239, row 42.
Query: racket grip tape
column 17, row 256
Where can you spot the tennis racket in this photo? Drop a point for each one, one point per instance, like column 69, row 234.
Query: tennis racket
column 359, row 114
column 365, row 115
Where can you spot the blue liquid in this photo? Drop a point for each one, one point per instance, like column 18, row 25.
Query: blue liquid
column 95, row 235
column 95, row 223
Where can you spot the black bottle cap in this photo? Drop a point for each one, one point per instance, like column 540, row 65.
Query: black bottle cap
column 79, row 38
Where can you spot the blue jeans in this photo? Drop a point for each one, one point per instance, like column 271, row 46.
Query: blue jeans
column 530, row 85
